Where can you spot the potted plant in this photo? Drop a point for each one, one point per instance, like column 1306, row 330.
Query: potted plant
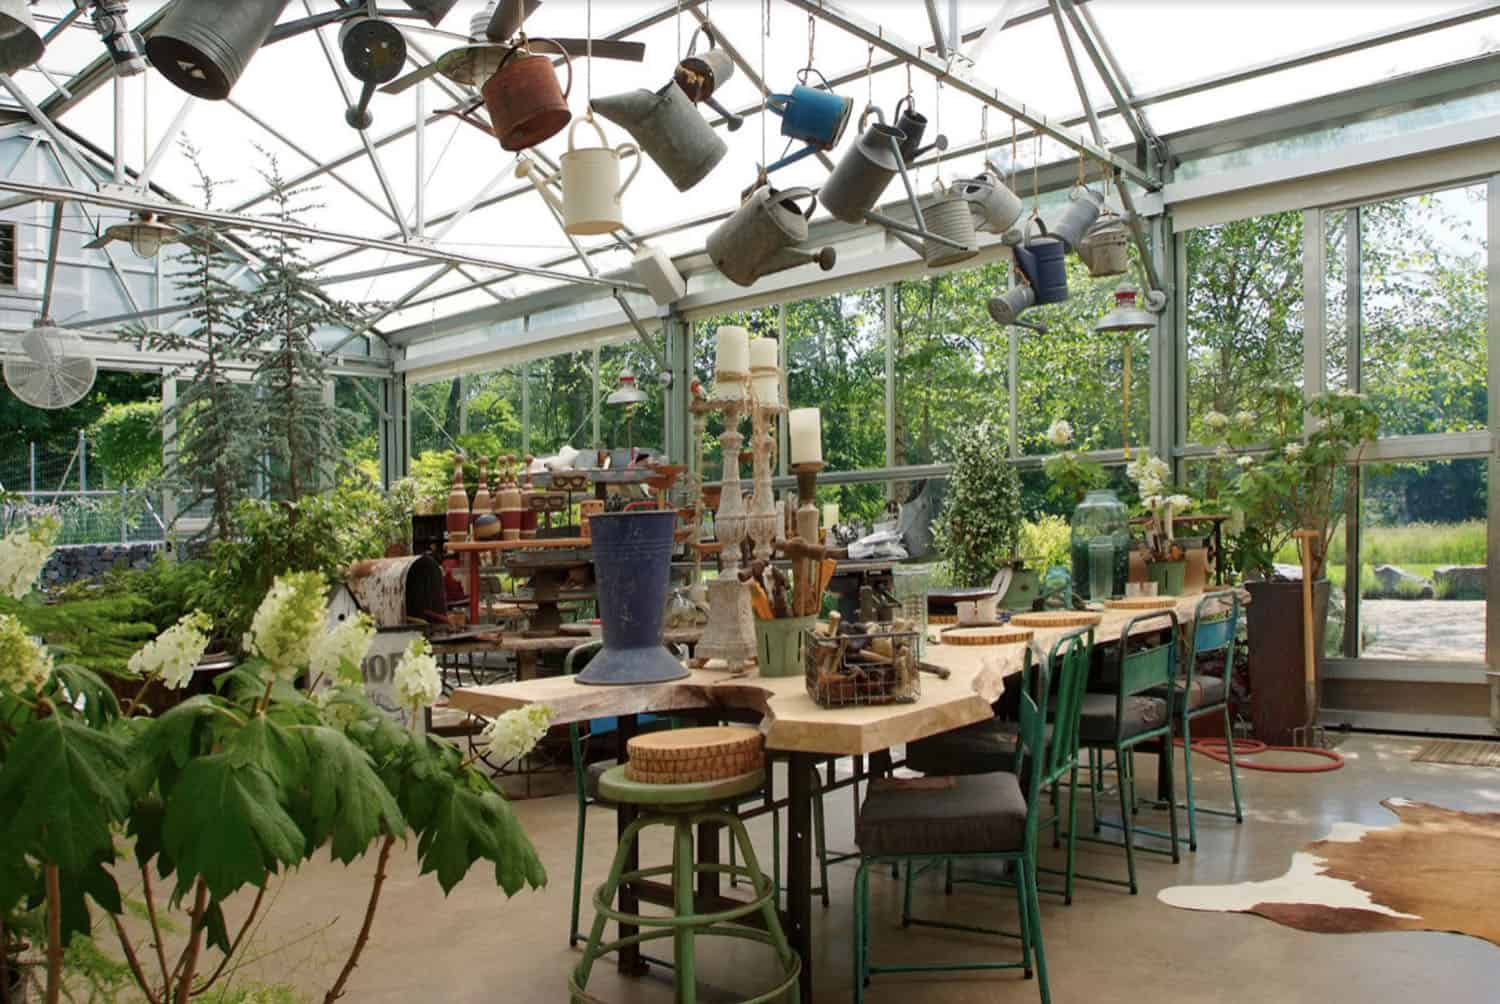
column 1072, row 475
column 980, row 525
column 1299, row 482
column 1166, row 557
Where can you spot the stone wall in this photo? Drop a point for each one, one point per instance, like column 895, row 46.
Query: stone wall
column 74, row 562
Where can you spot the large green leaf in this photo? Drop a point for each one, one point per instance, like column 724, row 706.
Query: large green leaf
column 166, row 744
column 264, row 744
column 469, row 825
column 346, row 799
column 83, row 689
column 61, row 787
column 225, row 823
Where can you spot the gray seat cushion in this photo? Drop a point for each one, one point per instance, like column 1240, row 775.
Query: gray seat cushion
column 1206, row 690
column 980, row 748
column 1097, row 721
column 976, row 814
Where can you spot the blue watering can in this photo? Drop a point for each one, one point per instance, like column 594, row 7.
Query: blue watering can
column 1042, row 260
column 814, row 115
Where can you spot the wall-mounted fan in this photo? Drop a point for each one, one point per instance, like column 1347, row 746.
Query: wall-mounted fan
column 51, row 368
column 493, row 34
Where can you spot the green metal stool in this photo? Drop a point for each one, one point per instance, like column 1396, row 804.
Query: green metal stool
column 682, row 807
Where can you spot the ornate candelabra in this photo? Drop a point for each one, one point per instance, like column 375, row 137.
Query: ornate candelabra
column 767, row 403
column 730, row 632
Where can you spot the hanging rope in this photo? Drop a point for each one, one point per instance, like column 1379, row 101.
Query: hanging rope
column 1125, row 435
column 812, row 38
column 588, row 34
column 679, row 29
column 870, row 76
column 765, row 29
column 1015, row 153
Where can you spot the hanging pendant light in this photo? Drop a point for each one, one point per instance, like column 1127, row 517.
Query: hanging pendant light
column 20, row 43
column 1127, row 314
column 629, row 392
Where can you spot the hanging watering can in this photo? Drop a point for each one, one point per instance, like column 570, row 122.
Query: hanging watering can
column 997, row 208
column 202, row 47
column 1008, row 306
column 700, row 75
column 20, row 43
column 762, row 235
column 1042, row 260
column 590, row 181
column 815, row 116
column 633, row 565
column 864, row 172
column 525, row 103
column 913, row 124
column 949, row 216
column 669, row 130
column 1084, row 206
column 1105, row 248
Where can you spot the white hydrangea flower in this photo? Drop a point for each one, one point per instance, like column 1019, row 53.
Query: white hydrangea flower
column 1178, row 502
column 516, row 732
column 1216, row 420
column 23, row 553
column 287, row 622
column 1244, row 419
column 418, row 681
column 339, row 652
column 1221, row 452
column 1060, row 433
column 1245, row 461
column 1292, row 451
column 172, row 655
column 25, row 664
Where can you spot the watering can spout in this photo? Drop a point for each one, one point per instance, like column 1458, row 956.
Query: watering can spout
column 628, row 109
column 787, row 258
column 540, row 181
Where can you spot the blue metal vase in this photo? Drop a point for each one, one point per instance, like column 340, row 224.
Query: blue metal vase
column 633, row 566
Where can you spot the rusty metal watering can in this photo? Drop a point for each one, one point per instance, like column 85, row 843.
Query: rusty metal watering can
column 700, row 75
column 525, row 103
column 669, row 130
column 762, row 235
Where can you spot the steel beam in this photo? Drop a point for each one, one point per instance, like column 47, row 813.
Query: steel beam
column 1062, row 8
column 229, row 220
column 874, row 34
column 935, row 20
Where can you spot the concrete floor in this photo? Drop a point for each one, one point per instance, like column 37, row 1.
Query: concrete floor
column 1107, row 947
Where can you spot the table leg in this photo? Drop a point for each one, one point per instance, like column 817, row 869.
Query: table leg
column 473, row 587
column 708, row 854
column 630, row 956
column 801, row 772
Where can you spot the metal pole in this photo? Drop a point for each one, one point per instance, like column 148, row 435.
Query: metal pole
column 1355, row 491
column 526, row 404
column 419, row 199
column 783, row 352
column 888, row 323
column 83, row 462
column 119, row 96
column 31, row 468
column 596, row 441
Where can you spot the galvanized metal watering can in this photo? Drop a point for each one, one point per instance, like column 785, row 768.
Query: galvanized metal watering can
column 865, row 171
column 590, row 182
column 761, row 237
column 913, row 124
column 669, row 130
column 996, row 207
column 1105, row 248
column 1084, row 206
column 815, row 116
column 1042, row 260
column 202, row 48
column 949, row 217
column 700, row 75
column 1006, row 308
column 525, row 103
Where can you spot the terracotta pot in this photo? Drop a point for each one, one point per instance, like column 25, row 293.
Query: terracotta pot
column 1278, row 703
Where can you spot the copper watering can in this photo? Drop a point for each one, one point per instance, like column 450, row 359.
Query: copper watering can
column 761, row 237
column 525, row 103
column 669, row 130
column 590, row 183
column 700, row 75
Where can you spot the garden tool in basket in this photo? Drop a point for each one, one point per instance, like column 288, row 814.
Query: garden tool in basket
column 1310, row 733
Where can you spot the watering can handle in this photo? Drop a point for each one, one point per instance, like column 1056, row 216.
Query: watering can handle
column 776, row 103
column 713, row 43
column 620, row 153
column 803, row 74
column 865, row 116
column 904, row 101
column 598, row 129
column 797, row 193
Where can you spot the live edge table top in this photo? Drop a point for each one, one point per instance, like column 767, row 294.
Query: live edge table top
column 793, row 722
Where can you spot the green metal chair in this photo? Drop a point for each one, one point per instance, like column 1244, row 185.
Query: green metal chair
column 1215, row 621
column 1122, row 721
column 989, row 817
column 683, row 807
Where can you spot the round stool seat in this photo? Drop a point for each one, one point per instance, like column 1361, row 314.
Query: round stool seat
column 617, row 787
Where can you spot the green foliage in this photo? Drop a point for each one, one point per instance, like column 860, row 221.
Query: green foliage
column 166, row 589
column 127, row 441
column 980, row 524
column 1044, row 542
column 1072, row 476
column 98, row 629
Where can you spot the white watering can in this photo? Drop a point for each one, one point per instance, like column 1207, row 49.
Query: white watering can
column 590, row 183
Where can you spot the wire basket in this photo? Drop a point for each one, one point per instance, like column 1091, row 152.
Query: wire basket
column 862, row 668
column 909, row 585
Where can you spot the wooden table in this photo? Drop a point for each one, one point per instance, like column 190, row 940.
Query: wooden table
column 794, row 724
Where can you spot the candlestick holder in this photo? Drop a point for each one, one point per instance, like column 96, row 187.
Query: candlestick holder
column 804, row 571
column 730, row 632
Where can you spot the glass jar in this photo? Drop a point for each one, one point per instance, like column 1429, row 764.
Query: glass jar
column 1099, row 517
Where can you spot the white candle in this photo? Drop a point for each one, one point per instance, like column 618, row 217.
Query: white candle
column 763, row 354
column 830, row 514
column 767, row 388
column 733, row 354
column 805, row 426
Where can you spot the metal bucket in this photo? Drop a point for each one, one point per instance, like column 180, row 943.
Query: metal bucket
column 203, row 47
column 525, row 103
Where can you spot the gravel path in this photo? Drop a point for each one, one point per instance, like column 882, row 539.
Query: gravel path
column 1424, row 629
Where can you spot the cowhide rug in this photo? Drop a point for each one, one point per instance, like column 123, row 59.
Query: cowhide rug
column 1436, row 870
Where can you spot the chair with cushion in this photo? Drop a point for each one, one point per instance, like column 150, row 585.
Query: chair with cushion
column 1197, row 695
column 982, row 817
column 1121, row 721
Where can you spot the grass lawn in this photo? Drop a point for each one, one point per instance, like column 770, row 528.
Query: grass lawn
column 1418, row 548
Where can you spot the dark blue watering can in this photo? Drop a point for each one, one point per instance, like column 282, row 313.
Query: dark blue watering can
column 814, row 115
column 633, row 563
column 1042, row 260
